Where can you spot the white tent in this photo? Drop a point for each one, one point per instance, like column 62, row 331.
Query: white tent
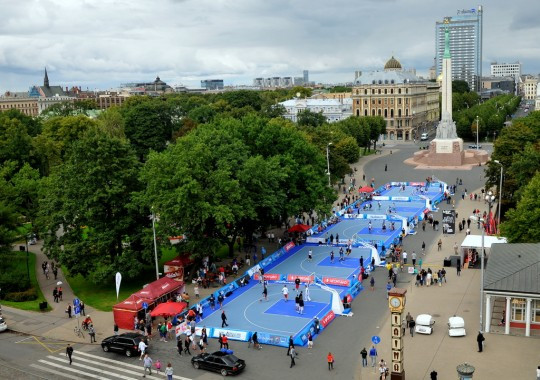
column 475, row 242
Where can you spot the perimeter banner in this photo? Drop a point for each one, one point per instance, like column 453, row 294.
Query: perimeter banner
column 449, row 222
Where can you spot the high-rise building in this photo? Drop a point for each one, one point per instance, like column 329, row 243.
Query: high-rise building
column 505, row 69
column 306, row 76
column 212, row 84
column 465, row 45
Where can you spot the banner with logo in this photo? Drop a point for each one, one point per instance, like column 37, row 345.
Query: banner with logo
column 449, row 222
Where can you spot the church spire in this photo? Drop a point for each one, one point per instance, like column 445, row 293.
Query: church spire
column 46, row 79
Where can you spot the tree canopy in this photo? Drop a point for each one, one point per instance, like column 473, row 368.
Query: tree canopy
column 234, row 177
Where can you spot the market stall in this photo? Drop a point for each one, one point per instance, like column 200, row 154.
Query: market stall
column 471, row 247
column 124, row 313
column 161, row 290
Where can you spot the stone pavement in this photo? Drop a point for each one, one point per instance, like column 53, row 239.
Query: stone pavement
column 504, row 357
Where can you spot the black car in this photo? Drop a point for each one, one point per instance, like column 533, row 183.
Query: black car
column 127, row 343
column 225, row 364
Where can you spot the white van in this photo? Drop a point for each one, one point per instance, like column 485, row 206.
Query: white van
column 424, row 137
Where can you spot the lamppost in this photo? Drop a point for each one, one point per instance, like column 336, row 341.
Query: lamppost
column 500, row 193
column 489, row 199
column 328, row 162
column 477, row 132
column 153, row 216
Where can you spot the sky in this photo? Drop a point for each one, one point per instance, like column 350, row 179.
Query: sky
column 100, row 44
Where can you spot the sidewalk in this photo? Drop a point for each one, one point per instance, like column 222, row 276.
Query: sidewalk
column 459, row 296
column 55, row 324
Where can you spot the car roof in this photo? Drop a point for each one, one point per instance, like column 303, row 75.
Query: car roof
column 130, row 335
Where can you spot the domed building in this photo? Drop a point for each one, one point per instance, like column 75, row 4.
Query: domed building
column 409, row 105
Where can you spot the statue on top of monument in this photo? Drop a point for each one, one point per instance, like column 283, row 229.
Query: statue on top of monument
column 446, row 130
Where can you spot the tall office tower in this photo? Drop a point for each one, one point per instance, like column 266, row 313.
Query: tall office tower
column 465, row 45
column 306, row 77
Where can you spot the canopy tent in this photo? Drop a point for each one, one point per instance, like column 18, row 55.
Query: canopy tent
column 475, row 242
column 160, row 289
column 166, row 309
column 125, row 311
column 299, row 228
column 366, row 189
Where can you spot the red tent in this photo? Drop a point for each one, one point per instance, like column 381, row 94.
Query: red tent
column 160, row 288
column 365, row 189
column 299, row 228
column 166, row 309
column 175, row 267
column 125, row 312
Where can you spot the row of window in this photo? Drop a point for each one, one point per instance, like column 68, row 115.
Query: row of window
column 379, row 91
column 519, row 307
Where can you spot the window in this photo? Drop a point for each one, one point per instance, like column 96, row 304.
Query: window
column 386, row 91
column 392, row 114
column 399, row 101
column 399, row 90
column 379, row 101
column 372, row 112
column 399, row 112
column 535, row 311
column 518, row 309
column 379, row 112
column 365, row 102
column 385, row 113
column 365, row 92
column 379, row 91
column 357, row 112
column 357, row 102
column 365, row 113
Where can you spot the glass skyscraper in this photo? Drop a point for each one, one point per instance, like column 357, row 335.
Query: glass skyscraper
column 465, row 45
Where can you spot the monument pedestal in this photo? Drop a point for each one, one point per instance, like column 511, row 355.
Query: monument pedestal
column 448, row 153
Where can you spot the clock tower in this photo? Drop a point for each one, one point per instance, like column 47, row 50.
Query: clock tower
column 396, row 303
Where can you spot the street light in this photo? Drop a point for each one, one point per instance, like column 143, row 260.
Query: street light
column 500, row 193
column 328, row 162
column 477, row 132
column 489, row 199
column 153, row 216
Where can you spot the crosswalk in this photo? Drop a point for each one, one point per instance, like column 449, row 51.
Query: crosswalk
column 89, row 366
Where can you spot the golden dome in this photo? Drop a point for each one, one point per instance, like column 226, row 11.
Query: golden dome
column 440, row 77
column 392, row 64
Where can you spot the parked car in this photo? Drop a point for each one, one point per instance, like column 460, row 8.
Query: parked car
column 456, row 326
column 424, row 324
column 473, row 146
column 127, row 343
column 3, row 324
column 424, row 137
column 219, row 361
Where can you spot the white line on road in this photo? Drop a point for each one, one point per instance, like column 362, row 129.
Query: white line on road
column 117, row 362
column 102, row 371
column 50, row 370
column 68, row 368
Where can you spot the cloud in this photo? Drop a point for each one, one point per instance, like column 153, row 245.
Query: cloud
column 101, row 44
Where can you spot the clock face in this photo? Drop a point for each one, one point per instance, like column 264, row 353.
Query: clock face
column 395, row 302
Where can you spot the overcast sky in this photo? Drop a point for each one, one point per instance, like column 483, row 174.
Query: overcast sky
column 103, row 43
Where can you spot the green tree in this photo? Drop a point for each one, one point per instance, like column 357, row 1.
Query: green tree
column 460, row 86
column 149, row 124
column 111, row 122
column 231, row 178
column 85, row 212
column 70, row 108
column 8, row 224
column 243, row 98
column 521, row 225
column 308, row 118
column 203, row 114
column 15, row 142
column 300, row 92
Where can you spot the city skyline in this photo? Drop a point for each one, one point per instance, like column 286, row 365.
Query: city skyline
column 186, row 41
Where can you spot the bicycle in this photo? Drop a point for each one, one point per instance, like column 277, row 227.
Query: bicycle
column 78, row 332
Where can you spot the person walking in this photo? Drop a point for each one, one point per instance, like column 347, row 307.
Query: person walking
column 372, row 283
column 179, row 345
column 92, row 333
column 412, row 325
column 60, row 292
column 169, row 371
column 330, row 360
column 291, row 345
column 385, row 167
column 187, row 343
column 223, row 319
column 147, row 364
column 439, row 245
column 363, row 354
column 373, row 355
column 55, row 272
column 69, row 352
column 413, row 258
column 68, row 310
column 455, row 248
column 292, row 354
column 55, row 294
column 285, row 292
column 423, row 248
column 225, row 341
column 310, row 340
column 142, row 348
column 458, row 268
column 81, row 306
column 480, row 340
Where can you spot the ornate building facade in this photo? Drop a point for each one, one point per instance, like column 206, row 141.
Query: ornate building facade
column 408, row 104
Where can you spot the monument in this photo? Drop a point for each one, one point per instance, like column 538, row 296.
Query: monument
column 447, row 148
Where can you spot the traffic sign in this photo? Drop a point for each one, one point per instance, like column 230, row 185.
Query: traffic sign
column 77, row 309
column 76, row 302
column 145, row 305
column 376, row 339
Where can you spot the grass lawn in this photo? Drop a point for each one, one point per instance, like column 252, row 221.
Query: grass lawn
column 103, row 296
column 20, row 263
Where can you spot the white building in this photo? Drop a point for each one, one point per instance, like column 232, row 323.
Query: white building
column 528, row 85
column 333, row 109
column 505, row 69
column 537, row 102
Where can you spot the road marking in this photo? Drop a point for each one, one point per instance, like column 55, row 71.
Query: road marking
column 50, row 370
column 93, row 369
column 110, row 366
column 68, row 368
column 35, row 340
column 117, row 362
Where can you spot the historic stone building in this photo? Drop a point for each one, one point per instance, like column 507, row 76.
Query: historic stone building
column 408, row 104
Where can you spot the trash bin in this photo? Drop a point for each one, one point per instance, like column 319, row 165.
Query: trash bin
column 447, row 262
column 43, row 305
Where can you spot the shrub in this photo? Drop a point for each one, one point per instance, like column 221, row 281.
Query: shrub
column 27, row 295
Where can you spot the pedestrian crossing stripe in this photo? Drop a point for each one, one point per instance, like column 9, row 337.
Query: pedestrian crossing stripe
column 53, row 371
column 117, row 362
column 102, row 371
column 70, row 369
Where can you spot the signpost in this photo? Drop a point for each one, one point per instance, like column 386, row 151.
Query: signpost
column 376, row 339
